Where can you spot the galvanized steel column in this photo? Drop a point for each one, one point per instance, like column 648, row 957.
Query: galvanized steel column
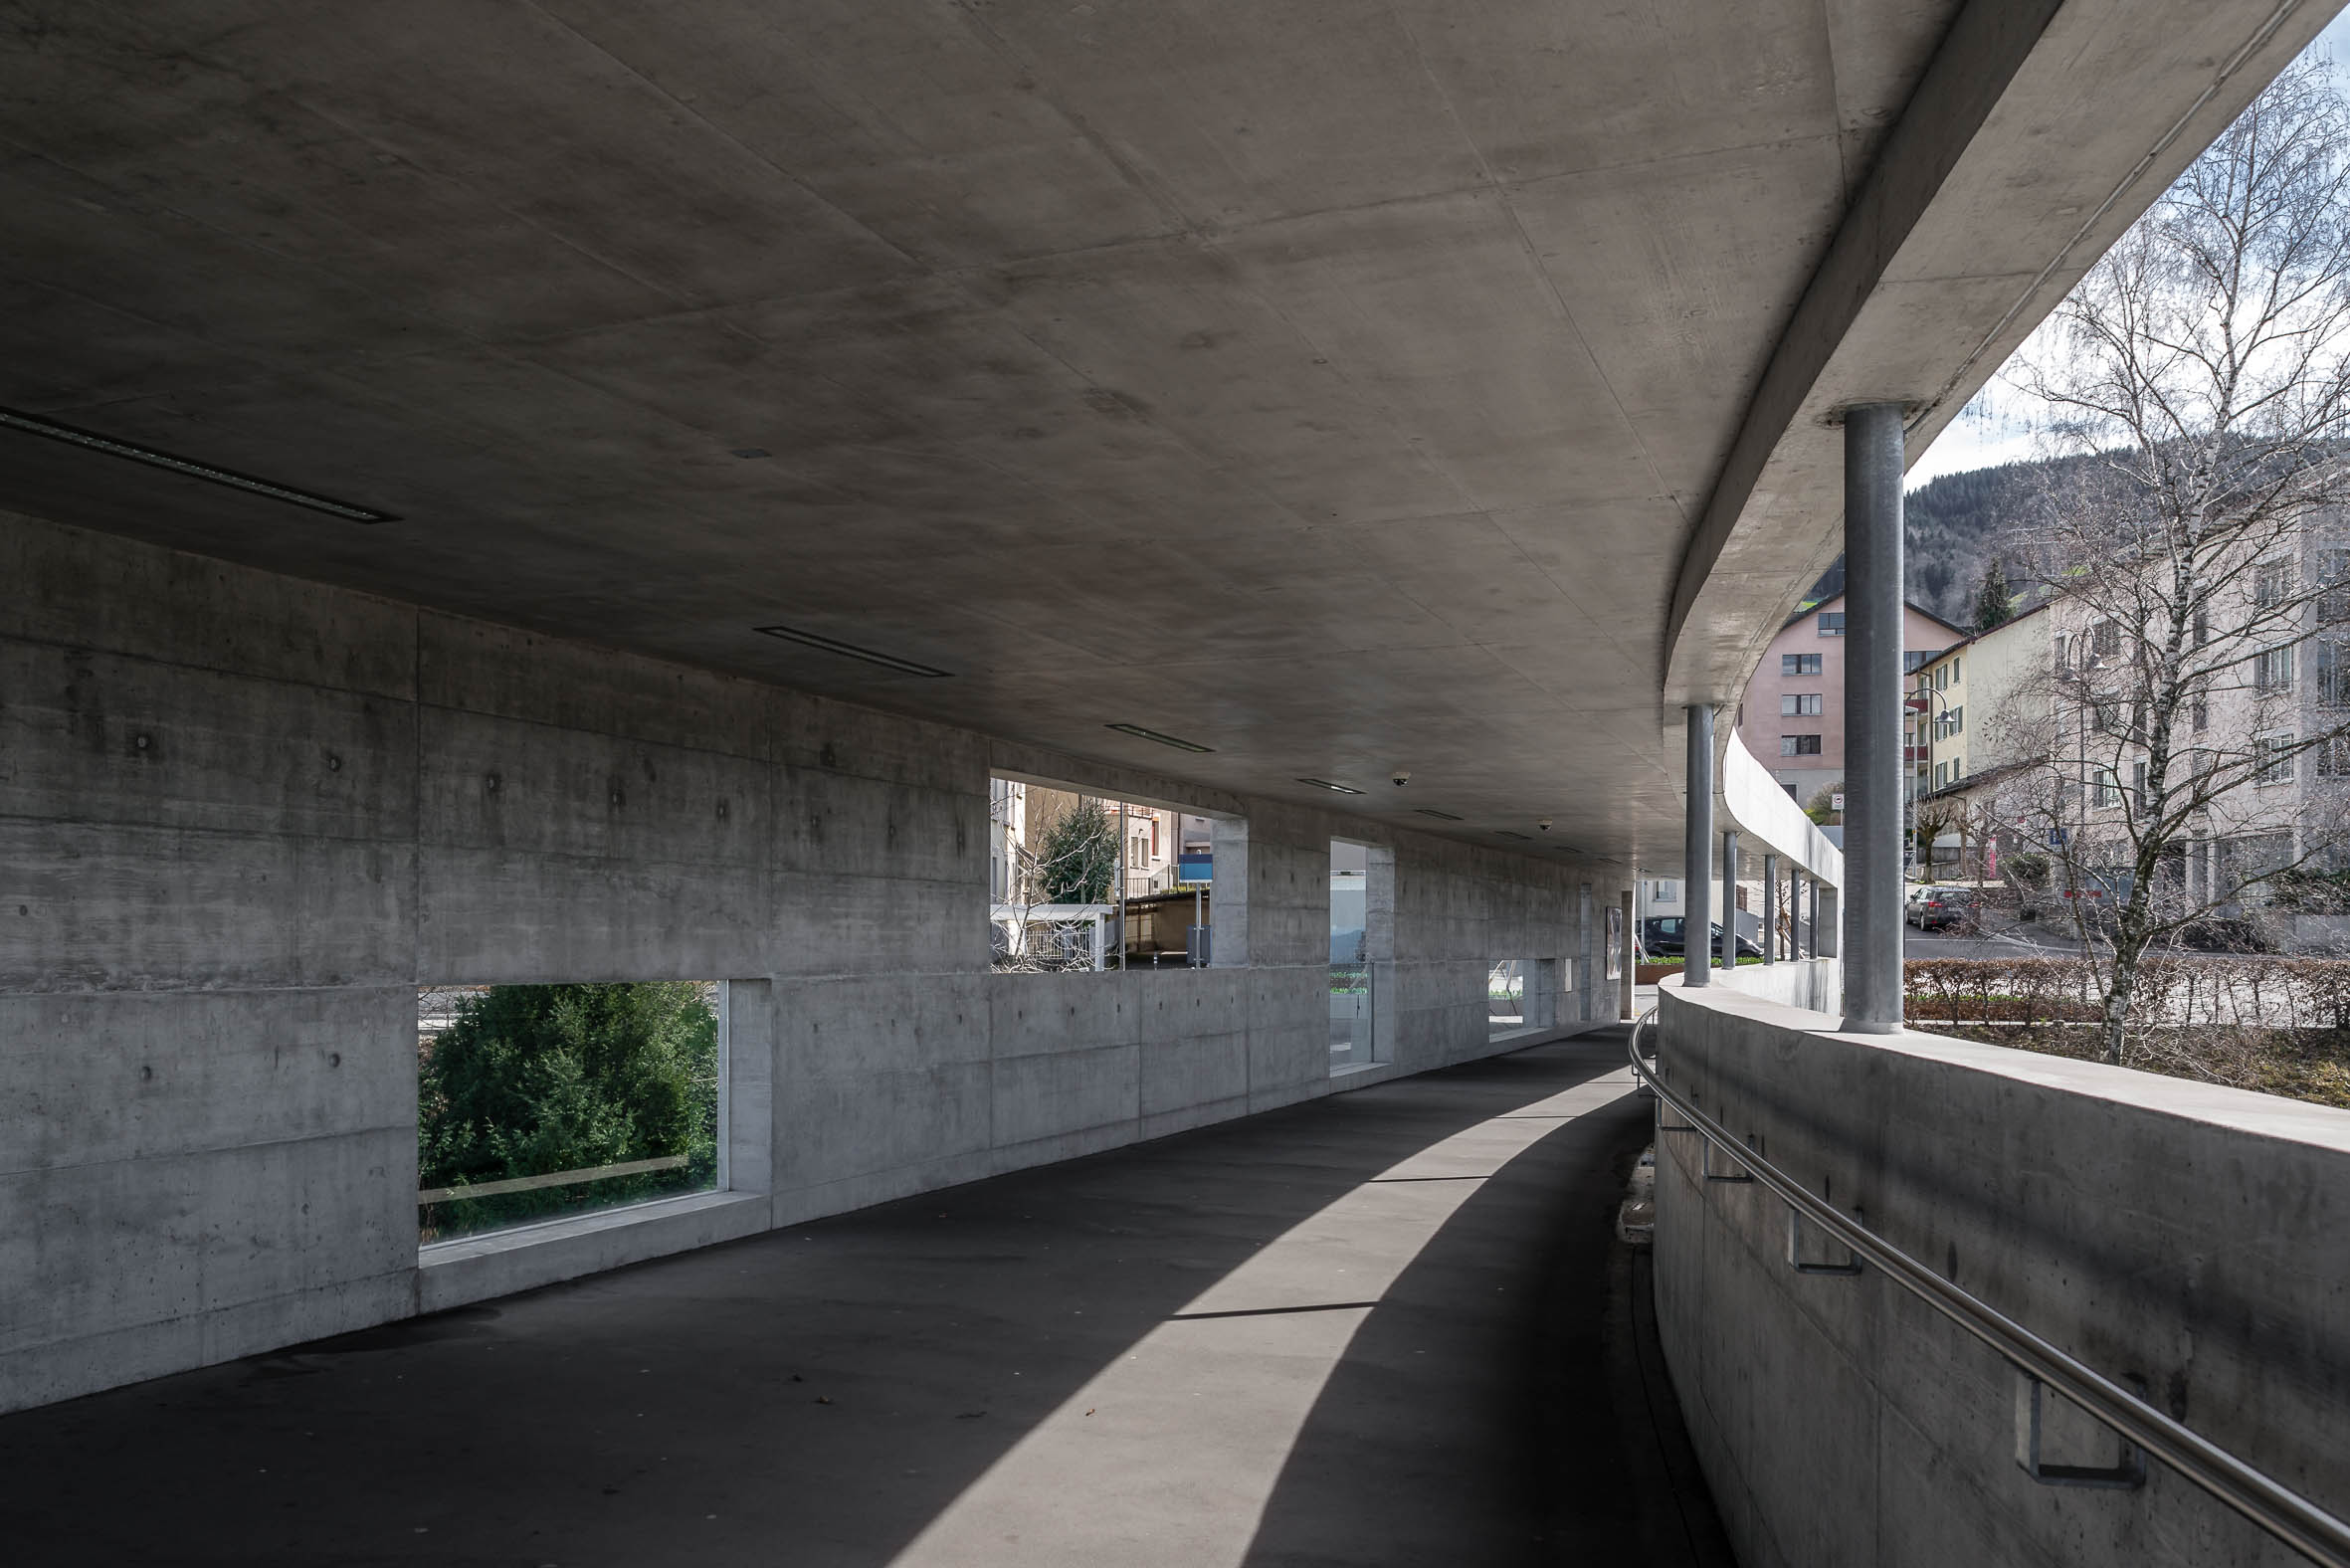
column 1770, row 910
column 1697, row 851
column 1871, row 893
column 1730, row 899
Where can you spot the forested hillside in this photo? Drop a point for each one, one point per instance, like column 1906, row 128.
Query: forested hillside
column 1954, row 525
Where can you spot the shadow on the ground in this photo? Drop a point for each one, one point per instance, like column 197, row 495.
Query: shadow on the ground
column 813, row 1396
column 1522, row 1386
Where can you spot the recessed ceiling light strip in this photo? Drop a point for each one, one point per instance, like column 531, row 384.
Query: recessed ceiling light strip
column 1335, row 789
column 90, row 440
column 1444, row 816
column 1152, row 735
column 792, row 634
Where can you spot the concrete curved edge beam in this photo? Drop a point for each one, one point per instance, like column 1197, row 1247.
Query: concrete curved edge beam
column 2039, row 133
column 1764, row 813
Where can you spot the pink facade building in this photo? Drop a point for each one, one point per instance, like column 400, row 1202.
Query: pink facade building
column 1793, row 718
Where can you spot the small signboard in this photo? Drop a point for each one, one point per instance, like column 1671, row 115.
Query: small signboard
column 1195, row 869
column 1835, row 802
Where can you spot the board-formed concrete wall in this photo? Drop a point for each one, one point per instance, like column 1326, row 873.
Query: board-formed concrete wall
column 2194, row 1236
column 242, row 817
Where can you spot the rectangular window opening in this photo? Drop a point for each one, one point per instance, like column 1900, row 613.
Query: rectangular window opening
column 1799, row 664
column 1077, row 879
column 538, row 1102
column 1505, row 997
column 1361, row 893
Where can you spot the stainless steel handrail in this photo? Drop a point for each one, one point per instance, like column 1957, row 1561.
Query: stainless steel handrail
column 2283, row 1512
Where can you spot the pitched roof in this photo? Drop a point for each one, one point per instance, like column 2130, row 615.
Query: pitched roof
column 1838, row 598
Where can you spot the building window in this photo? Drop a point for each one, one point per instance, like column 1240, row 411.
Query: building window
column 2273, row 670
column 1831, row 623
column 2203, row 626
column 2333, row 757
column 1801, row 705
column 2105, row 642
column 2064, row 649
column 2268, row 585
column 2333, row 674
column 1799, row 664
column 2333, row 572
column 1663, row 893
column 1955, row 663
column 1941, row 774
column 1799, row 745
column 2138, row 782
column 2272, row 759
column 2105, row 786
column 2200, row 715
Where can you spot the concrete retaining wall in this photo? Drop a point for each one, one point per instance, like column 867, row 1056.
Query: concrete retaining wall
column 2194, row 1236
column 242, row 817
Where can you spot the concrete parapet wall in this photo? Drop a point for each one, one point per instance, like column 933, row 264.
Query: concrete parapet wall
column 1810, row 983
column 2192, row 1237
column 242, row 817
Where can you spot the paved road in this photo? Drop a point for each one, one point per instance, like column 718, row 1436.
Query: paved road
column 2031, row 941
column 1390, row 1327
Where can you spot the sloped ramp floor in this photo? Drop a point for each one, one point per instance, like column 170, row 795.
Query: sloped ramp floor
column 1388, row 1327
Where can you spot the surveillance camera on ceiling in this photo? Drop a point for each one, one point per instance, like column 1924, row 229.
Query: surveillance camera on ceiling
column 1544, row 825
column 1401, row 779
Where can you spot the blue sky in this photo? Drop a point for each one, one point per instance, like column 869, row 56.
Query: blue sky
column 1987, row 431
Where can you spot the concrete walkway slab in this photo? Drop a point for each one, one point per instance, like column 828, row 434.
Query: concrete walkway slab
column 1388, row 1327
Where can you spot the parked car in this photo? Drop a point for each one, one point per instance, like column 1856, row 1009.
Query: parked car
column 1662, row 938
column 1934, row 907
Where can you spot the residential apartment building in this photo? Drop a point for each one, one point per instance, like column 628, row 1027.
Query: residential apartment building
column 1962, row 718
column 1793, row 718
column 1969, row 723
column 2035, row 727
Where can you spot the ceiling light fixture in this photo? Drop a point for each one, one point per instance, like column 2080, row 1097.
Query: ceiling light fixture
column 1335, row 789
column 792, row 634
column 1526, row 838
column 1430, row 811
column 1152, row 735
column 91, row 440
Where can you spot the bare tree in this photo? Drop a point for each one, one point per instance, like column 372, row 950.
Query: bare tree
column 1071, row 861
column 2196, row 554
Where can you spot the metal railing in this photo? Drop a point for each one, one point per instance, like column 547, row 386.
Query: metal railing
column 2283, row 1512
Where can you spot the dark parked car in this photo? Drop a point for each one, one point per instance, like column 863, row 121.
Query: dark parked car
column 1932, row 909
column 1663, row 938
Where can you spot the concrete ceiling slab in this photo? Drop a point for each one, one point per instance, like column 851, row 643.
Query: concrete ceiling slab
column 1345, row 386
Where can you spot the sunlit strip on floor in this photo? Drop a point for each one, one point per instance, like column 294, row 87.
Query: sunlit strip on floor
column 1170, row 1455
